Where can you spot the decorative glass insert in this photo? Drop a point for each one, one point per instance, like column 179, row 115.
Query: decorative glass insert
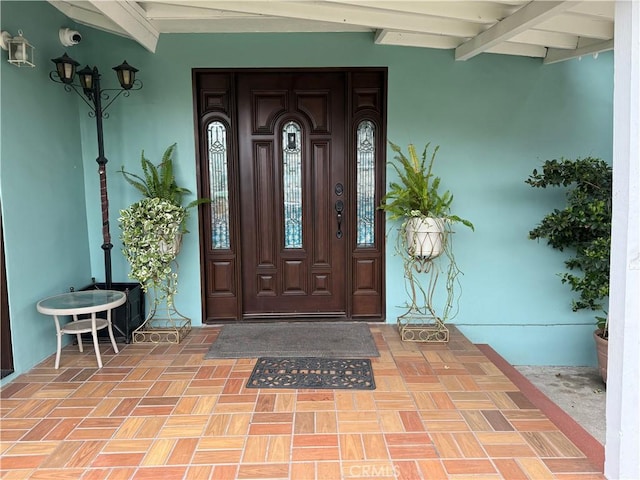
column 292, row 184
column 365, row 183
column 219, row 185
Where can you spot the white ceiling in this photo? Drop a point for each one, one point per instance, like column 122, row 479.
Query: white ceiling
column 551, row 30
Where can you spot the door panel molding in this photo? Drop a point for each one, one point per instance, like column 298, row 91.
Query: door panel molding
column 265, row 203
column 268, row 106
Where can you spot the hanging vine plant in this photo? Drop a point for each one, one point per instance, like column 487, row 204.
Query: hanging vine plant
column 151, row 233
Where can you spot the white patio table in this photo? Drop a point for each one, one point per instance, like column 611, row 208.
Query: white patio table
column 82, row 303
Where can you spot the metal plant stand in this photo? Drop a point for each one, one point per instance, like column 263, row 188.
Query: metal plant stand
column 423, row 322
column 164, row 323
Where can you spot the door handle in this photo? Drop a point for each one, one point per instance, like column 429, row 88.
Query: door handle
column 339, row 206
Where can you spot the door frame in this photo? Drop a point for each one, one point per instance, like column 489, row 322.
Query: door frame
column 6, row 349
column 214, row 99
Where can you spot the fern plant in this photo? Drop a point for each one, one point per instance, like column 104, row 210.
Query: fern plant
column 417, row 193
column 158, row 181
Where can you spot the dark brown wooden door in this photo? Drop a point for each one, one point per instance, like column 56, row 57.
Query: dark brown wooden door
column 6, row 351
column 291, row 150
column 294, row 161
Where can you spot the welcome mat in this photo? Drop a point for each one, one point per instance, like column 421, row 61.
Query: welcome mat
column 354, row 374
column 295, row 339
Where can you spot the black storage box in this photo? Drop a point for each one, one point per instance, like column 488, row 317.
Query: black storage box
column 128, row 316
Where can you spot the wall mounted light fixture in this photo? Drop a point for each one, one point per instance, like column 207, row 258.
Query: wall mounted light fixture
column 20, row 50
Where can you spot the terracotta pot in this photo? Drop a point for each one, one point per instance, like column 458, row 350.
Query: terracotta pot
column 602, row 347
column 425, row 236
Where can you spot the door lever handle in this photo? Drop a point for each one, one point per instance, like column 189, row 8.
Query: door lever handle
column 339, row 206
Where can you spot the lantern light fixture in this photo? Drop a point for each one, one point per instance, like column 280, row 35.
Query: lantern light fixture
column 19, row 48
column 65, row 68
column 126, row 75
column 86, row 84
column 86, row 77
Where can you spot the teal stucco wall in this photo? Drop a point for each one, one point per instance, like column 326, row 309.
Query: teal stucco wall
column 495, row 118
column 41, row 184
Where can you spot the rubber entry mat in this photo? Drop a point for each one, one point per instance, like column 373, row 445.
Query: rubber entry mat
column 312, row 372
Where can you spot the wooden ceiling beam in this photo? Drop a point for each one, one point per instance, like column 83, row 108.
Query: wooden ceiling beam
column 580, row 25
column 475, row 11
column 410, row 39
column 188, row 11
column 555, row 55
column 546, row 39
column 129, row 16
column 527, row 17
column 344, row 14
column 77, row 11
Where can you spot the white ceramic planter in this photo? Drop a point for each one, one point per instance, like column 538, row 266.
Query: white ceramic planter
column 425, row 236
column 171, row 246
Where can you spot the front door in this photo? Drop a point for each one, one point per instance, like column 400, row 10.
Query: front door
column 292, row 177
column 292, row 231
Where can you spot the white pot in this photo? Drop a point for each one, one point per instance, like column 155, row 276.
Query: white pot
column 171, row 245
column 425, row 236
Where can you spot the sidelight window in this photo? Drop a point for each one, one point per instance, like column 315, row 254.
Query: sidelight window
column 218, row 185
column 365, row 183
column 292, row 184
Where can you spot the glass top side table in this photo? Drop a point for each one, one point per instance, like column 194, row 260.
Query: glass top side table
column 78, row 303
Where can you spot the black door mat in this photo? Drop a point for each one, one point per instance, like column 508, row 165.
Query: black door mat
column 312, row 372
column 294, row 339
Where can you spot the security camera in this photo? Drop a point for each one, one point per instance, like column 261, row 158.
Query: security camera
column 69, row 37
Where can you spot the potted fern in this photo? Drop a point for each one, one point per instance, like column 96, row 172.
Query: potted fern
column 425, row 211
column 584, row 228
column 158, row 181
column 417, row 200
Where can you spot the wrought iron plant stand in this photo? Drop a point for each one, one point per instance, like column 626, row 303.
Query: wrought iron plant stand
column 423, row 322
column 164, row 323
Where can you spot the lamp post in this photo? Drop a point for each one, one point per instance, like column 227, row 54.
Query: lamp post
column 93, row 95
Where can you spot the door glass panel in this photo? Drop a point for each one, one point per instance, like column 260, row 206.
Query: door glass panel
column 292, row 184
column 366, row 183
column 219, row 185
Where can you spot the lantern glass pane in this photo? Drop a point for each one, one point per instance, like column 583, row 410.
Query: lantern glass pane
column 67, row 70
column 126, row 77
column 86, row 81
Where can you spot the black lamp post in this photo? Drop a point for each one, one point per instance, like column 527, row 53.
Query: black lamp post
column 89, row 81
